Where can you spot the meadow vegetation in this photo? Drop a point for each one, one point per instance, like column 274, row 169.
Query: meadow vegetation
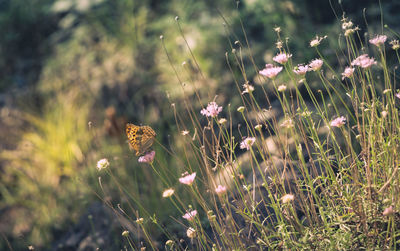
column 298, row 154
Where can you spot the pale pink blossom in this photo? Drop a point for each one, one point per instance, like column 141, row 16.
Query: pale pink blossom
column 248, row 88
column 287, row 198
column 363, row 61
column 148, row 157
column 316, row 64
column 220, row 189
column 102, row 164
column 338, row 122
column 316, row 41
column 271, row 71
column 388, row 211
column 168, row 193
column 348, row 72
column 212, row 110
column 188, row 179
column 378, row 40
column 398, row 95
column 301, row 69
column 282, row 58
column 190, row 215
column 247, row 143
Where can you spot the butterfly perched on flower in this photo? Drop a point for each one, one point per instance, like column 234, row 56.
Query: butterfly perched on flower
column 141, row 138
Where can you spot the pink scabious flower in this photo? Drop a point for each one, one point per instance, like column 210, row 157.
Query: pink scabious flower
column 188, row 179
column 348, row 72
column 282, row 58
column 378, row 40
column 363, row 61
column 316, row 64
column 212, row 110
column 247, row 143
column 147, row 158
column 338, row 122
column 398, row 95
column 301, row 69
column 270, row 71
column 190, row 215
column 220, row 189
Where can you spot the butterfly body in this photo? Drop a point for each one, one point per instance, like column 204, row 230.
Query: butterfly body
column 140, row 138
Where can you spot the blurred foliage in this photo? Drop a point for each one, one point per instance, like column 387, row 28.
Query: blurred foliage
column 68, row 62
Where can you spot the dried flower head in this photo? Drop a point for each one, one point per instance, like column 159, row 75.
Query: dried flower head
column 125, row 233
column 222, row 121
column 248, row 88
column 288, row 123
column 287, row 198
column 139, row 220
column 240, row 109
column 168, row 193
column 212, row 110
column 102, row 164
column 395, row 44
column 185, row 132
column 317, row 40
column 191, row 233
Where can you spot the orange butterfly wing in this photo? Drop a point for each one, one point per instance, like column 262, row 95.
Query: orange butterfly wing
column 140, row 138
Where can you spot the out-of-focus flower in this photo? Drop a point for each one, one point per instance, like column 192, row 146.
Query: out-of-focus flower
column 279, row 44
column 338, row 122
column 282, row 88
column 188, row 179
column 191, row 233
column 258, row 127
column 212, row 110
column 185, row 132
column 347, row 25
column 139, row 220
column 316, row 64
column 378, row 40
column 348, row 72
column 240, row 109
column 270, row 71
column 287, row 198
column 222, row 121
column 288, row 123
column 395, row 44
column 282, row 58
column 190, row 215
column 148, row 157
column 125, row 233
column 301, row 69
column 102, row 164
column 247, row 143
column 169, row 242
column 168, row 193
column 248, row 88
column 384, row 114
column 317, row 40
column 277, row 29
column 363, row 61
column 220, row 189
column 397, row 95
column 388, row 211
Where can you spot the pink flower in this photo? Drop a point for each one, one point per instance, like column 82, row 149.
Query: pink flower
column 316, row 64
column 287, row 198
column 190, row 215
column 148, row 157
column 271, row 71
column 188, row 179
column 378, row 40
column 398, row 95
column 282, row 58
column 388, row 211
column 247, row 143
column 220, row 189
column 212, row 110
column 348, row 72
column 363, row 61
column 338, row 122
column 301, row 69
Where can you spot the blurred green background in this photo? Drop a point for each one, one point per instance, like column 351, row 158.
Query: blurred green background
column 73, row 72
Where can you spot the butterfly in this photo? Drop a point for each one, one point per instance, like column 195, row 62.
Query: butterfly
column 140, row 137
